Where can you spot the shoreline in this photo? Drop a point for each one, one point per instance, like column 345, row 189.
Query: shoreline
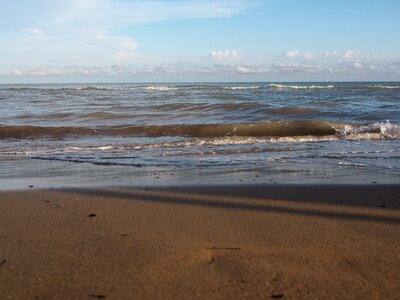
column 21, row 174
column 217, row 242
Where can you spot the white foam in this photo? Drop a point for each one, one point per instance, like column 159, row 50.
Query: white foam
column 352, row 164
column 300, row 87
column 160, row 88
column 373, row 131
column 383, row 86
column 303, row 139
column 242, row 87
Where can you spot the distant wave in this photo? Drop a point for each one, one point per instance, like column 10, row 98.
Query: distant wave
column 199, row 87
column 331, row 86
column 93, row 88
column 15, row 88
column 300, row 87
column 160, row 88
column 383, row 87
column 312, row 128
column 242, row 87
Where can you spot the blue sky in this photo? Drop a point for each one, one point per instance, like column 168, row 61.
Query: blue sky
column 198, row 40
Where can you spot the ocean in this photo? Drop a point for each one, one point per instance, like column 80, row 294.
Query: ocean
column 199, row 133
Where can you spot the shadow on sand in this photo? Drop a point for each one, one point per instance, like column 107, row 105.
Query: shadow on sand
column 361, row 203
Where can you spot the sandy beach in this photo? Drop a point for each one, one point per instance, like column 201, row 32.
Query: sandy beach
column 207, row 242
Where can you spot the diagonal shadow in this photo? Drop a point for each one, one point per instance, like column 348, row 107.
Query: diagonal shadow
column 360, row 195
column 190, row 197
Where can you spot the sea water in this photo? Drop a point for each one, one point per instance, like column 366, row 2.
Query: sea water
column 199, row 133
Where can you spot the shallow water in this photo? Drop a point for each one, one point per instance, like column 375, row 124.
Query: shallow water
column 290, row 131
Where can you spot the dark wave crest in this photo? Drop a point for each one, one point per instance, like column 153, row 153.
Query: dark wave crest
column 266, row 129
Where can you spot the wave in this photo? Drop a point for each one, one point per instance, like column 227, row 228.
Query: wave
column 92, row 88
column 203, row 87
column 198, row 87
column 160, row 88
column 300, row 87
column 242, row 87
column 101, row 115
column 387, row 130
column 15, row 88
column 50, row 88
column 266, row 129
column 390, row 87
column 291, row 111
column 331, row 86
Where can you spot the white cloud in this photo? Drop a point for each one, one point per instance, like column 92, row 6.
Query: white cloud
column 124, row 46
column 123, row 13
column 125, row 42
column 332, row 54
column 35, row 31
column 189, row 70
column 155, row 11
column 298, row 54
column 123, row 55
column 18, row 72
column 229, row 55
column 350, row 54
column 295, row 68
column 86, row 31
column 358, row 65
column 76, row 8
column 292, row 54
column 251, row 70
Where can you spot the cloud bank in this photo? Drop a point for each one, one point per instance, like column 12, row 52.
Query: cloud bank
column 91, row 40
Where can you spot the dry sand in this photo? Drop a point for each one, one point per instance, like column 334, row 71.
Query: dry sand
column 221, row 242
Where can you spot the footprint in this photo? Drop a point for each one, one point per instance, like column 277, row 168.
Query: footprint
column 2, row 262
column 223, row 248
column 97, row 296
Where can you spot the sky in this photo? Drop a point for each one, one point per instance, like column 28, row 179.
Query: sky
column 47, row 41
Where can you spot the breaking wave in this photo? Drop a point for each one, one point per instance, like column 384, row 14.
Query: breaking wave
column 308, row 128
column 202, row 87
column 160, row 88
column 300, row 87
column 390, row 87
column 331, row 86
column 93, row 88
column 242, row 87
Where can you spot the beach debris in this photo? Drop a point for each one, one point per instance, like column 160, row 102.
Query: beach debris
column 382, row 205
column 31, row 186
column 223, row 248
column 97, row 296
column 2, row 262
column 277, row 296
column 91, row 215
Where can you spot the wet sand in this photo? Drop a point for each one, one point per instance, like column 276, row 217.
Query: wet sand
column 207, row 242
